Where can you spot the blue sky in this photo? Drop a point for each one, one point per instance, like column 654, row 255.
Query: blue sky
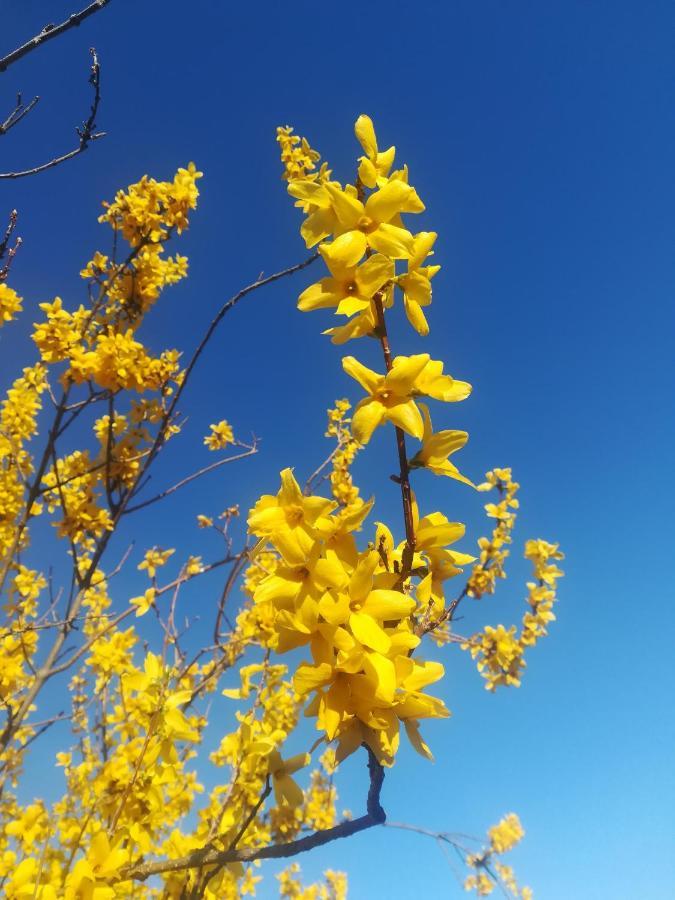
column 540, row 136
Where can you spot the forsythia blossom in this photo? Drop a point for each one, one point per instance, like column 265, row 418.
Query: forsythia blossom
column 355, row 602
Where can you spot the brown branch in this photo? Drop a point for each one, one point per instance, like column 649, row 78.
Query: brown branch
column 4, row 244
column 86, row 133
column 20, row 111
column 251, row 449
column 267, row 790
column 215, row 322
column 374, row 815
column 404, row 470
column 224, row 309
column 235, row 572
column 309, row 484
column 51, row 31
column 204, row 879
column 120, row 617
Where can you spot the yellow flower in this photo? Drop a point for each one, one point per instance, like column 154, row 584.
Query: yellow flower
column 374, row 166
column 391, row 396
column 24, row 883
column 416, row 283
column 506, row 834
column 194, row 565
column 297, row 156
column 289, row 519
column 436, row 448
column 154, row 559
column 102, row 861
column 374, row 224
column 10, row 303
column 221, row 435
column 286, row 790
column 144, row 603
column 351, row 287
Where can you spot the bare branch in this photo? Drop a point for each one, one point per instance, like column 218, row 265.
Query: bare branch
column 4, row 244
column 51, row 31
column 19, row 112
column 86, row 132
column 250, row 450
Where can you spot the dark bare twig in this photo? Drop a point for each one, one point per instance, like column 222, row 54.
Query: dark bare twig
column 250, row 450
column 404, row 476
column 20, row 111
column 86, row 132
column 51, row 31
column 4, row 244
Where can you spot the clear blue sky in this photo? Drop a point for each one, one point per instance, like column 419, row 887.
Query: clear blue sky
column 541, row 137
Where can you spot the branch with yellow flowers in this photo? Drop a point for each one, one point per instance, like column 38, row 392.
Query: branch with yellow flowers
column 373, row 816
column 487, row 871
column 49, row 667
column 360, row 608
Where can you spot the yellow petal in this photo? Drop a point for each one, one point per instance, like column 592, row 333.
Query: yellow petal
column 405, row 371
column 391, row 240
column 366, row 630
column 389, row 201
column 375, row 272
column 412, row 729
column 388, row 606
column 424, row 241
column 368, row 379
column 287, row 791
column 406, row 416
column 348, row 208
column 318, row 296
column 365, row 135
column 415, row 316
column 368, row 415
column 381, row 674
column 345, row 252
column 423, row 674
column 309, row 678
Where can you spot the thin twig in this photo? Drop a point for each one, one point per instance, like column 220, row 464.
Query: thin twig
column 251, row 449
column 404, row 470
column 20, row 111
column 4, row 244
column 86, row 133
column 51, row 31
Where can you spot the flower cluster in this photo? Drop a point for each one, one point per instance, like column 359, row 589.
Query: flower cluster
column 334, row 886
column 500, row 651
column 10, row 303
column 221, row 435
column 347, row 607
column 355, row 602
column 343, row 488
column 297, row 156
column 494, row 550
column 490, row 872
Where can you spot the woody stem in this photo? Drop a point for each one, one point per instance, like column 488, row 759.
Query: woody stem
column 404, row 471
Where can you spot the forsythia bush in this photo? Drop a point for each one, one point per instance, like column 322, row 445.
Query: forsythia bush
column 80, row 428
